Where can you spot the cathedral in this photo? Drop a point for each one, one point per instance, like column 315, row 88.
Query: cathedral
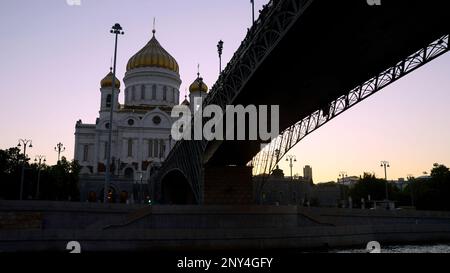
column 141, row 126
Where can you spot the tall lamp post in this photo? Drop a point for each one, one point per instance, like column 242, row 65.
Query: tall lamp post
column 342, row 176
column 38, row 160
column 24, row 143
column 141, row 193
column 291, row 159
column 253, row 10
column 411, row 183
column 385, row 165
column 60, row 149
column 116, row 30
column 219, row 50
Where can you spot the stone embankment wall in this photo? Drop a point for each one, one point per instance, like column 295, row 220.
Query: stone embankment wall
column 39, row 226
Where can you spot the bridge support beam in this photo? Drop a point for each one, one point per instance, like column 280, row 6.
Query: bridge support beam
column 228, row 185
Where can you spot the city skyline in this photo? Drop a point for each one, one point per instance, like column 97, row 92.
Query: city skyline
column 67, row 56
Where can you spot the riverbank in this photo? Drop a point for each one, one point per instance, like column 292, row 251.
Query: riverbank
column 49, row 226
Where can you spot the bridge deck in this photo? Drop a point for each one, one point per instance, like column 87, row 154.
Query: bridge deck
column 333, row 47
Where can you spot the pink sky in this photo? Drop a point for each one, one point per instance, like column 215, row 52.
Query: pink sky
column 54, row 56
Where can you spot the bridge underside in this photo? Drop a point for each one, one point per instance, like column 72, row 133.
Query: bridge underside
column 333, row 47
column 302, row 55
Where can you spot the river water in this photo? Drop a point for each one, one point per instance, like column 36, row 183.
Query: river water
column 440, row 248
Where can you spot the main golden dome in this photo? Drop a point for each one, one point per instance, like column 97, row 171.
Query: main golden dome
column 198, row 85
column 107, row 81
column 153, row 55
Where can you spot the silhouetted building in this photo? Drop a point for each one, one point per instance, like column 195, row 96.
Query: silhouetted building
column 307, row 173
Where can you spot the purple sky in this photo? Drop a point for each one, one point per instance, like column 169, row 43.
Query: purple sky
column 53, row 57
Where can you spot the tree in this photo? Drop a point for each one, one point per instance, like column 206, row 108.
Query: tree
column 375, row 187
column 431, row 194
column 11, row 161
column 58, row 182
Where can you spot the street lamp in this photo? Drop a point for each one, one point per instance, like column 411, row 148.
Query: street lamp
column 385, row 164
column 24, row 143
column 38, row 160
column 411, row 183
column 59, row 149
column 219, row 50
column 140, row 188
column 116, row 30
column 291, row 159
column 342, row 175
column 253, row 10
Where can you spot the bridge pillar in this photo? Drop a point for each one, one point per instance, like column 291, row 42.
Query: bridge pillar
column 228, row 185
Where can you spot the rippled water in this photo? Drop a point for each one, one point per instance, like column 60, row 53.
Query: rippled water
column 404, row 249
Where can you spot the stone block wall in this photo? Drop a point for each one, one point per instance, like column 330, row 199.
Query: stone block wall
column 20, row 220
column 229, row 185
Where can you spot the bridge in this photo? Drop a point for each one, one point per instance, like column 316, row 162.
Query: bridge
column 313, row 58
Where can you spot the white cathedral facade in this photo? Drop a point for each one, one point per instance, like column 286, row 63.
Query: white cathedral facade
column 141, row 126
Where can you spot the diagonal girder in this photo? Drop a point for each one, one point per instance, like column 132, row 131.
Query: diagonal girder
column 265, row 161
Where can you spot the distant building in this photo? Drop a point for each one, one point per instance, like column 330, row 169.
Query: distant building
column 277, row 189
column 307, row 173
column 400, row 183
column 349, row 181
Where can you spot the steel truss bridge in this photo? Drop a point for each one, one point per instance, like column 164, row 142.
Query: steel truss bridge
column 316, row 59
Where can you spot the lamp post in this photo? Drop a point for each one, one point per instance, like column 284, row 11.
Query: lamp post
column 24, row 143
column 139, row 196
column 291, row 159
column 253, row 10
column 140, row 188
column 219, row 50
column 411, row 183
column 342, row 176
column 59, row 149
column 116, row 30
column 38, row 160
column 386, row 165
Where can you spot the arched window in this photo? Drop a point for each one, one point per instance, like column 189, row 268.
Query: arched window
column 155, row 148
column 150, row 148
column 92, row 196
column 86, row 152
column 129, row 173
column 130, row 147
column 123, row 197
column 165, row 93
column 154, row 92
column 163, row 149
column 143, row 92
column 108, row 101
column 133, row 93
column 106, row 151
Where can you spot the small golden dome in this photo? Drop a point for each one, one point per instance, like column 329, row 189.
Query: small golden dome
column 198, row 85
column 107, row 81
column 153, row 55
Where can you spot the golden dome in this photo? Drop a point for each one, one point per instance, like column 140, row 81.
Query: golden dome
column 198, row 85
column 107, row 81
column 153, row 55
